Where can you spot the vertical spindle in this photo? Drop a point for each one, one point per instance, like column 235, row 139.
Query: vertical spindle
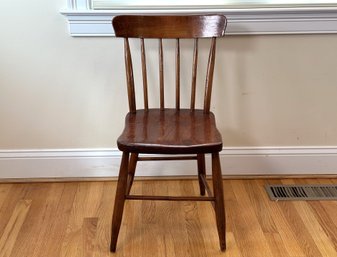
column 177, row 74
column 129, row 76
column 144, row 73
column 209, row 76
column 161, row 74
column 194, row 73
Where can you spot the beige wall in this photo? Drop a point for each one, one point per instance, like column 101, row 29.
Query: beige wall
column 62, row 92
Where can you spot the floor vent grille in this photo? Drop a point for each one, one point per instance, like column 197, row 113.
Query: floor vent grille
column 302, row 192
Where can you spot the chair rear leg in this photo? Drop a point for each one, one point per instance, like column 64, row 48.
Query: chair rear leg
column 119, row 200
column 132, row 169
column 219, row 200
column 201, row 172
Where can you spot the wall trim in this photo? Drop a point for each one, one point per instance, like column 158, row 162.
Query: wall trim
column 97, row 163
column 241, row 21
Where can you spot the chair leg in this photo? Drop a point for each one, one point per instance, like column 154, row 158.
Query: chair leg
column 119, row 200
column 201, row 172
column 132, row 169
column 219, row 200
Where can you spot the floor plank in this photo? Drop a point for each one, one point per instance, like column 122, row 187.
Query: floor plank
column 74, row 219
column 12, row 230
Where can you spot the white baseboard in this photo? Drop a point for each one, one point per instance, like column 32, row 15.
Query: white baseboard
column 95, row 163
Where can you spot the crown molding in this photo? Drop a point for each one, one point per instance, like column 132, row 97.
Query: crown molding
column 250, row 21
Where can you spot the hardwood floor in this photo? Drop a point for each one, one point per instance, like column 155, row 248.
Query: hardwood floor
column 73, row 219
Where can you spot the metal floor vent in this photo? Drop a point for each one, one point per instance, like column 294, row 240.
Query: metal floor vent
column 302, row 192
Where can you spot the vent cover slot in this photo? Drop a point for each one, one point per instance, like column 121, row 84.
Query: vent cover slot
column 302, row 192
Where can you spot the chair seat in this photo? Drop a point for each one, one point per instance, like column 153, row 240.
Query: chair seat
column 170, row 131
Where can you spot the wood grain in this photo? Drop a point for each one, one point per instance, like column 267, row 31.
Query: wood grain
column 11, row 232
column 163, row 28
column 129, row 76
column 161, row 74
column 36, row 214
column 53, row 225
column 188, row 26
column 170, row 131
column 144, row 74
column 120, row 200
column 164, row 130
column 245, row 224
column 194, row 74
column 209, row 76
column 202, row 174
column 4, row 190
column 73, row 219
column 177, row 74
column 9, row 202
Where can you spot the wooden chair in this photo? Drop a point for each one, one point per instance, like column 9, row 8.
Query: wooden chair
column 185, row 134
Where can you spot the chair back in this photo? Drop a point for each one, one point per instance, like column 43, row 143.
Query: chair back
column 169, row 27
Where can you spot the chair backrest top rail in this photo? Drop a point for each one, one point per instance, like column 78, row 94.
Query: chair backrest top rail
column 170, row 26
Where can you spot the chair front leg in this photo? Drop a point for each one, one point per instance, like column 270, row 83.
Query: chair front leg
column 119, row 200
column 132, row 169
column 219, row 200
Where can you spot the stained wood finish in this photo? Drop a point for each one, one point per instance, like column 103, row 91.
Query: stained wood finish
column 194, row 74
column 131, row 172
column 13, row 227
column 209, row 77
column 73, row 219
column 177, row 74
column 193, row 26
column 219, row 200
column 129, row 76
column 205, row 184
column 119, row 202
column 170, row 131
column 168, row 158
column 169, row 198
column 201, row 172
column 161, row 74
column 144, row 73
